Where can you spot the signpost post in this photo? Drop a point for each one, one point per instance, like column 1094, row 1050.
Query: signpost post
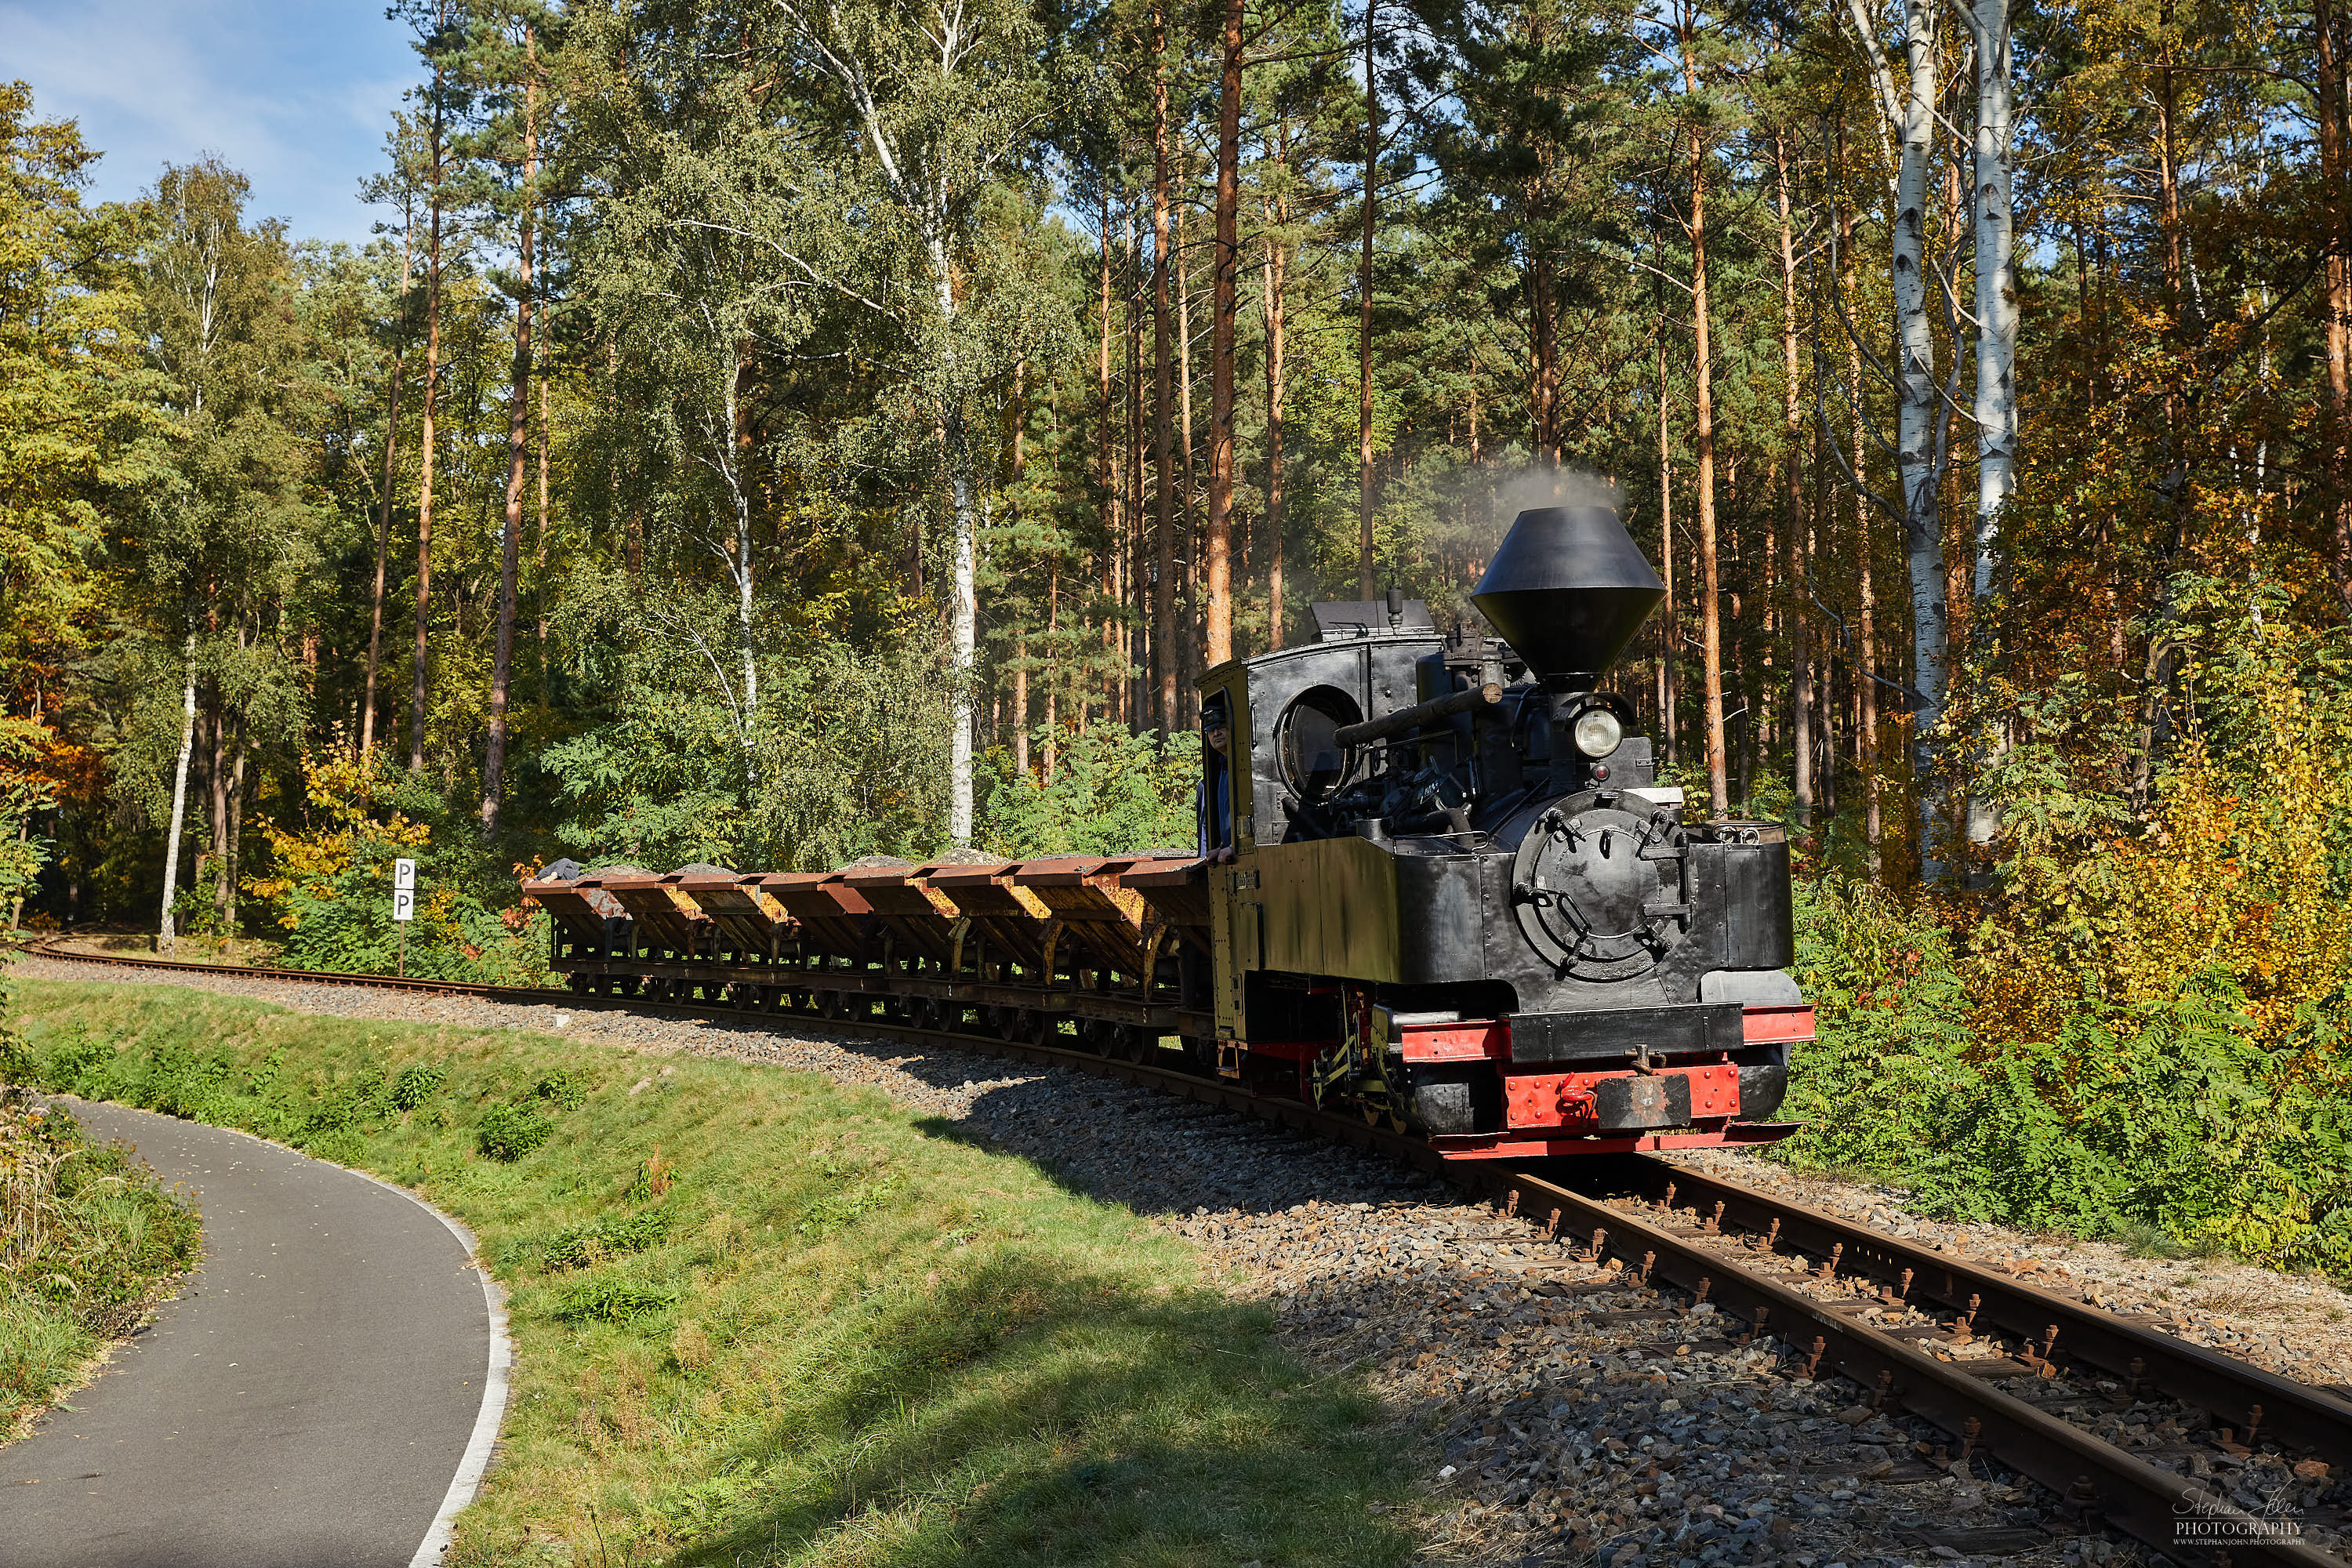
column 403, row 906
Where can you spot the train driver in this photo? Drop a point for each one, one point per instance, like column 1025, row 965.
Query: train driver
column 1216, row 794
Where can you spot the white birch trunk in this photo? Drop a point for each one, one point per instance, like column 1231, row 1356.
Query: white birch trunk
column 1910, row 114
column 964, row 614
column 1996, row 410
column 1996, row 269
column 166, row 937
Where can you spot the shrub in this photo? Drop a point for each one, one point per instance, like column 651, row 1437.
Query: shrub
column 602, row 1239
column 509, row 1131
column 565, row 1087
column 330, row 891
column 611, row 1301
column 417, row 1082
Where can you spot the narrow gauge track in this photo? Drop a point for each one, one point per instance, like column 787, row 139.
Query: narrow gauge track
column 1673, row 1229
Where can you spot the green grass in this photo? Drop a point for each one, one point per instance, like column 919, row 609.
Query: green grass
column 762, row 1318
column 88, row 1241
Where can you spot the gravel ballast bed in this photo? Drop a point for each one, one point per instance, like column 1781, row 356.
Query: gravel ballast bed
column 1553, row 1434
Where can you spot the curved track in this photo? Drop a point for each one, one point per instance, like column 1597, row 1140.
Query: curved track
column 1811, row 1282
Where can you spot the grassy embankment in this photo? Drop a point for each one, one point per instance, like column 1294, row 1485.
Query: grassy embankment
column 762, row 1318
column 89, row 1242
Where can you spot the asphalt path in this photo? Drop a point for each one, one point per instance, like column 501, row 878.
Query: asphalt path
column 323, row 1394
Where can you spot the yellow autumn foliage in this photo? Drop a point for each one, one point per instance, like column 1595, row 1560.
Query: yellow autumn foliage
column 341, row 791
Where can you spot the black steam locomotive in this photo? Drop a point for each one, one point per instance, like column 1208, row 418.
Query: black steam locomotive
column 1446, row 886
column 1437, row 882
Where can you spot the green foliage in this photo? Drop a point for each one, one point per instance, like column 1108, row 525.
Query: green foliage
column 845, row 756
column 611, row 1301
column 2141, row 1031
column 564, row 1088
column 509, row 1131
column 16, row 1059
column 417, row 1082
column 79, row 415
column 2159, row 1118
column 1111, row 793
column 329, row 887
column 605, row 1236
column 24, row 790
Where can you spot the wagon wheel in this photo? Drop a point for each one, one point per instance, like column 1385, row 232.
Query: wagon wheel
column 1012, row 1023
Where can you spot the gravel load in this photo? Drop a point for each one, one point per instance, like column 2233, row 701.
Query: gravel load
column 1564, row 1413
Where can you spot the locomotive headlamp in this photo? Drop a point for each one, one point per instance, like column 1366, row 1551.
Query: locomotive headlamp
column 1597, row 732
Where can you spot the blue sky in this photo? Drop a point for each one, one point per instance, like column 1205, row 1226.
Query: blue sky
column 297, row 95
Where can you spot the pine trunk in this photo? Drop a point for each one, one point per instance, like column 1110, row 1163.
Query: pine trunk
column 1365, row 566
column 1718, row 781
column 1277, row 263
column 1217, row 586
column 1165, row 662
column 384, row 518
column 1795, row 564
column 2335, row 186
column 420, row 694
column 494, row 754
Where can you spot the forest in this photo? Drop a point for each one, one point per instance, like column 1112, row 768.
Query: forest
column 767, row 434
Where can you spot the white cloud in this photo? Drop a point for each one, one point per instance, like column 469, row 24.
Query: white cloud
column 296, row 94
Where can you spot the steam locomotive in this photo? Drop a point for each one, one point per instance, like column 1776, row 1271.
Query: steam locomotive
column 1436, row 882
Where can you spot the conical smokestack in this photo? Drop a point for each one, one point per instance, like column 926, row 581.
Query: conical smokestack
column 1568, row 590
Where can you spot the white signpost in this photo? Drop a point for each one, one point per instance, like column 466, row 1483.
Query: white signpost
column 404, row 905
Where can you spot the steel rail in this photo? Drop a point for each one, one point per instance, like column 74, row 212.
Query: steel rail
column 2296, row 1415
column 2096, row 1480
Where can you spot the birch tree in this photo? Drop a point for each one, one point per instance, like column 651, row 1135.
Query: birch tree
column 1991, row 158
column 944, row 98
column 1907, row 120
column 681, row 274
column 223, row 537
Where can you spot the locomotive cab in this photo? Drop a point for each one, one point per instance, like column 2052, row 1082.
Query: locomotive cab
column 1447, row 888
